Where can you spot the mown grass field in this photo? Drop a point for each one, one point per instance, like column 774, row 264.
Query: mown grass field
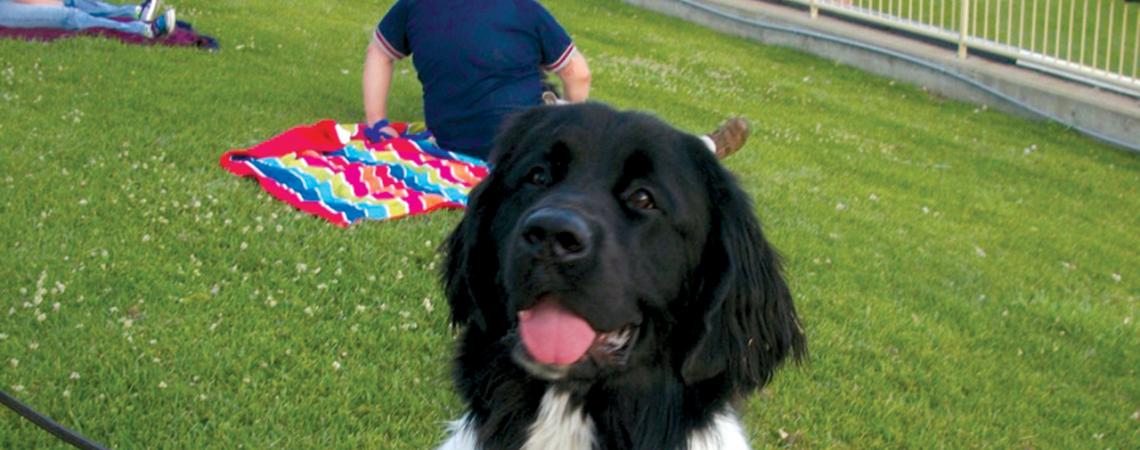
column 967, row 279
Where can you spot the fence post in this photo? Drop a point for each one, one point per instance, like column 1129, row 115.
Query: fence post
column 964, row 32
column 814, row 9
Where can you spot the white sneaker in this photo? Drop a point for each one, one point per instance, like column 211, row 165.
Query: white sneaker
column 148, row 10
column 164, row 25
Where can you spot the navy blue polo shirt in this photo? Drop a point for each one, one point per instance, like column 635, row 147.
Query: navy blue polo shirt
column 478, row 61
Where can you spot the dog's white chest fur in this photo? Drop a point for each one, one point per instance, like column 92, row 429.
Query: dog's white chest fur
column 561, row 427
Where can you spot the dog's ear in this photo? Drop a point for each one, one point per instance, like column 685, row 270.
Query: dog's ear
column 750, row 324
column 459, row 269
column 470, row 270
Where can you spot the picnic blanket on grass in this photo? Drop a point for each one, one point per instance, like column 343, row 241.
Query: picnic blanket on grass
column 341, row 173
column 183, row 36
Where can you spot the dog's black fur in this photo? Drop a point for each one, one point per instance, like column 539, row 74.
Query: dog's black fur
column 627, row 222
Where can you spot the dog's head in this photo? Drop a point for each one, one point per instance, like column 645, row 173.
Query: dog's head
column 604, row 242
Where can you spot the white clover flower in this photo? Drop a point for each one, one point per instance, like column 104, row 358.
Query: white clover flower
column 40, row 291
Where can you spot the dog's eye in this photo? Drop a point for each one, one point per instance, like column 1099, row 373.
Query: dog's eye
column 537, row 176
column 641, row 199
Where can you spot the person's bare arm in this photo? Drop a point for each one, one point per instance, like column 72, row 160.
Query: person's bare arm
column 58, row 3
column 575, row 78
column 377, row 82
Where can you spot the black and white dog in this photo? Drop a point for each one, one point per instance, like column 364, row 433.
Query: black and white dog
column 614, row 288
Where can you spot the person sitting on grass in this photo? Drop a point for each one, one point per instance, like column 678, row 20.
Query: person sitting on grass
column 143, row 19
column 480, row 61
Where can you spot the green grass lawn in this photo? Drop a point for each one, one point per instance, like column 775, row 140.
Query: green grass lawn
column 966, row 278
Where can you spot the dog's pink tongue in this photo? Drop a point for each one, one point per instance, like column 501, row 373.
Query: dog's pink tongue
column 554, row 335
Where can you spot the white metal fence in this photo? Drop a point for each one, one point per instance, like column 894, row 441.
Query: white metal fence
column 1094, row 41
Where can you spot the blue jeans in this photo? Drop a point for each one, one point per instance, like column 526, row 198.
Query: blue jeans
column 74, row 15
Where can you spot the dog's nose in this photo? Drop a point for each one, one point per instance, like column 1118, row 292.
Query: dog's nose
column 558, row 234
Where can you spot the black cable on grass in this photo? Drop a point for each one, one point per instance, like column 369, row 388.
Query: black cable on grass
column 61, row 432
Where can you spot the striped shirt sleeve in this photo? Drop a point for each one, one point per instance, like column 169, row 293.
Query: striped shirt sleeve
column 562, row 61
column 391, row 34
column 553, row 40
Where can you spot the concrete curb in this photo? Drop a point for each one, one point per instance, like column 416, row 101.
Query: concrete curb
column 1104, row 115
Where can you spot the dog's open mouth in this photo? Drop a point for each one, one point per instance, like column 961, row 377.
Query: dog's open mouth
column 555, row 341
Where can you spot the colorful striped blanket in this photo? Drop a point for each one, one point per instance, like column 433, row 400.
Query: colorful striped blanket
column 338, row 172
